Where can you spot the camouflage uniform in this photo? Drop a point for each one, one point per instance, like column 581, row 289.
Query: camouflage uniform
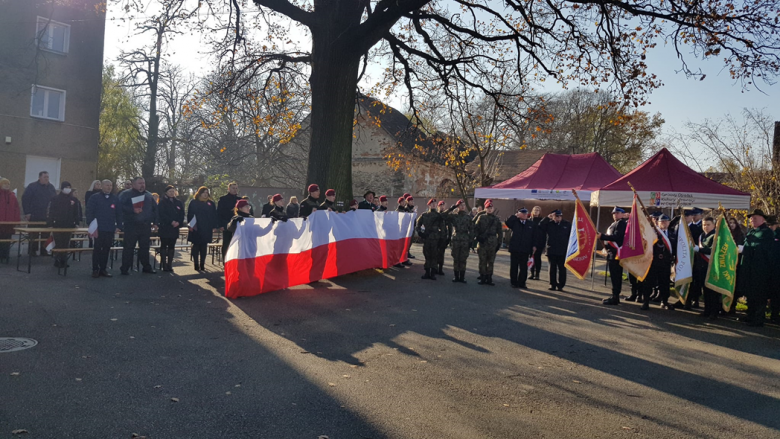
column 444, row 240
column 488, row 229
column 433, row 224
column 462, row 235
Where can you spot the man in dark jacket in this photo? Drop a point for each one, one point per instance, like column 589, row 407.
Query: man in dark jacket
column 103, row 207
column 613, row 240
column 661, row 268
column 556, row 230
column 368, row 201
column 35, row 202
column 382, row 203
column 521, row 246
column 63, row 214
column 137, row 223
column 311, row 203
column 330, row 201
column 267, row 208
column 225, row 207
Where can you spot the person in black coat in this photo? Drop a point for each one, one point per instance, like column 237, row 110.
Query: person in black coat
column 103, row 207
column 267, row 208
column 556, row 230
column 613, row 240
column 35, row 202
column 659, row 274
column 63, row 214
column 241, row 211
column 311, row 203
column 225, row 207
column 278, row 212
column 521, row 246
column 541, row 241
column 171, row 213
column 138, row 221
column 368, row 202
column 204, row 210
column 293, row 208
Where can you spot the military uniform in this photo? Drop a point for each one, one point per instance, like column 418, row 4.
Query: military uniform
column 429, row 228
column 487, row 230
column 541, row 240
column 327, row 204
column 308, row 205
column 614, row 240
column 756, row 271
column 462, row 235
column 521, row 247
column 444, row 240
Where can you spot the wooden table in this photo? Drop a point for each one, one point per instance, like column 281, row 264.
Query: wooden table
column 24, row 235
column 18, row 224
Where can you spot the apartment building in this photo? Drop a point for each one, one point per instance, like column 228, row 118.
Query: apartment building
column 51, row 61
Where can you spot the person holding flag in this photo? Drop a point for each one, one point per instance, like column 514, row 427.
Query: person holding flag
column 661, row 267
column 613, row 240
column 701, row 265
column 103, row 208
column 582, row 241
column 139, row 218
column 684, row 257
column 636, row 253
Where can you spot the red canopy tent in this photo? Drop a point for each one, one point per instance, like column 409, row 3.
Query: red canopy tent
column 665, row 181
column 553, row 177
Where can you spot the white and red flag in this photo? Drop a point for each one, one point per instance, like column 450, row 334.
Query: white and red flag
column 267, row 256
column 138, row 202
column 636, row 253
column 50, row 243
column 93, row 228
column 582, row 242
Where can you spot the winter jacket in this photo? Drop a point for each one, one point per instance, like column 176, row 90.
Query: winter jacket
column 278, row 213
column 9, row 206
column 557, row 236
column 104, row 208
column 168, row 211
column 614, row 238
column 308, row 205
column 225, row 208
column 35, row 200
column 267, row 208
column 132, row 220
column 63, row 212
column 90, row 194
column 293, row 209
column 523, row 235
column 233, row 223
column 207, row 221
column 756, row 266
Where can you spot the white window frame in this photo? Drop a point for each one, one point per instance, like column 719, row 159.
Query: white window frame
column 46, row 103
column 46, row 22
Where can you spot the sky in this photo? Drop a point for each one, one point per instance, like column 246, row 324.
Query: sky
column 680, row 99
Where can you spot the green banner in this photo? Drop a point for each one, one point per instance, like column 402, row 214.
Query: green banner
column 722, row 271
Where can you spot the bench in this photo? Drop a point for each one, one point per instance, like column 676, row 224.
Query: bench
column 69, row 251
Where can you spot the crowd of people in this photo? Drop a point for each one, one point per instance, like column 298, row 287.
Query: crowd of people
column 137, row 214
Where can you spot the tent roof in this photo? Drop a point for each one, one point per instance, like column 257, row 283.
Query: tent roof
column 553, row 176
column 665, row 181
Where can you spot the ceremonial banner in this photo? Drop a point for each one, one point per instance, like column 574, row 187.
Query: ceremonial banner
column 582, row 242
column 636, row 253
column 722, row 271
column 683, row 268
column 266, row 256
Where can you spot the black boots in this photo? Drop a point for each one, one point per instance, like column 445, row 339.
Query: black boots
column 429, row 274
column 614, row 300
column 441, row 270
column 460, row 276
column 486, row 279
column 166, row 259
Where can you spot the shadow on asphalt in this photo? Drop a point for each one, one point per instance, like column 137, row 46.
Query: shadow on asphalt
column 320, row 319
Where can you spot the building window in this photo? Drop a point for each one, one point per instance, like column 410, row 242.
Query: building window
column 47, row 103
column 53, row 36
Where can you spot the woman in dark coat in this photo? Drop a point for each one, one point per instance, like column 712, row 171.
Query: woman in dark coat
column 241, row 211
column 204, row 210
column 171, row 214
column 293, row 208
column 64, row 213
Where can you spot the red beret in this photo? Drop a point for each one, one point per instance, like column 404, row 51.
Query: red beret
column 313, row 188
column 409, row 198
column 276, row 198
column 432, row 201
column 407, row 195
column 330, row 193
column 488, row 203
column 441, row 203
column 459, row 202
column 401, row 200
column 383, row 198
column 241, row 203
column 353, row 203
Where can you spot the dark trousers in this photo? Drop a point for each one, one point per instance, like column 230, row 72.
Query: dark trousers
column 711, row 302
column 227, row 236
column 431, row 252
column 441, row 248
column 756, row 302
column 518, row 268
column 101, row 249
column 34, row 245
column 537, row 263
column 557, row 271
column 133, row 237
column 5, row 247
column 634, row 286
column 199, row 252
column 61, row 241
column 662, row 275
column 616, row 276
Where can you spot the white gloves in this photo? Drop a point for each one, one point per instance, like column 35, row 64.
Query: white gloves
column 740, row 247
column 696, row 248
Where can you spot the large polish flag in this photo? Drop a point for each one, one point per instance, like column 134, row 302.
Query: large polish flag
column 267, row 256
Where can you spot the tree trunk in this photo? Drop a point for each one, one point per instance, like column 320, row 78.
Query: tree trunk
column 334, row 72
column 147, row 170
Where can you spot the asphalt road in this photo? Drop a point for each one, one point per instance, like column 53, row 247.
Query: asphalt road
column 370, row 355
